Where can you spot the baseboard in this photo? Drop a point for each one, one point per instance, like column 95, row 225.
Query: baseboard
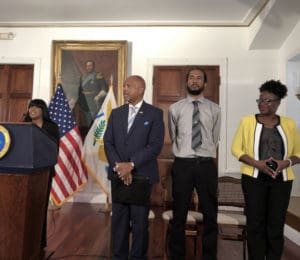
column 292, row 234
column 89, row 198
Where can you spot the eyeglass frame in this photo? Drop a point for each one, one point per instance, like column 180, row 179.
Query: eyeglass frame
column 267, row 101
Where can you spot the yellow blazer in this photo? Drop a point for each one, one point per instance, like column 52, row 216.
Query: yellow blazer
column 247, row 139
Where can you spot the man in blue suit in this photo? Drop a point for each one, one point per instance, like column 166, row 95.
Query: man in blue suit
column 133, row 140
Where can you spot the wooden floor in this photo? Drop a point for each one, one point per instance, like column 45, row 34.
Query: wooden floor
column 293, row 214
column 82, row 231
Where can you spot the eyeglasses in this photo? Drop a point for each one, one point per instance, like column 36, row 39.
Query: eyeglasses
column 267, row 101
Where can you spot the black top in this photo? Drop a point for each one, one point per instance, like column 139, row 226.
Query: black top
column 52, row 129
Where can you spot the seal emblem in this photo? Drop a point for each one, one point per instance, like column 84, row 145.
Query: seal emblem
column 4, row 141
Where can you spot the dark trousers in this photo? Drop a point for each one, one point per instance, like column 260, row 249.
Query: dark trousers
column 128, row 218
column 203, row 176
column 266, row 202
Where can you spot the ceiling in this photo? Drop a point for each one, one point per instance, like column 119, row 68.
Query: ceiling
column 130, row 12
column 274, row 19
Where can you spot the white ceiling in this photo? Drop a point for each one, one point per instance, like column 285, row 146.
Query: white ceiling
column 129, row 12
column 276, row 18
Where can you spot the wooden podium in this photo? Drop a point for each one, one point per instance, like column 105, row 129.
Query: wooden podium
column 24, row 173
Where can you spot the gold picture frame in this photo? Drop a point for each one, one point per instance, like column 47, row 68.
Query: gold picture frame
column 70, row 60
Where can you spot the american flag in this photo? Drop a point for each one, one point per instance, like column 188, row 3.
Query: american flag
column 70, row 172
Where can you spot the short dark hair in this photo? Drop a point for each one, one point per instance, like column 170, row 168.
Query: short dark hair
column 196, row 68
column 275, row 87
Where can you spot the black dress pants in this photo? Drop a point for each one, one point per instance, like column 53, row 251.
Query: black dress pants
column 266, row 202
column 128, row 218
column 187, row 174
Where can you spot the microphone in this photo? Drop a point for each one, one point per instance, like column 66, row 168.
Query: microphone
column 23, row 117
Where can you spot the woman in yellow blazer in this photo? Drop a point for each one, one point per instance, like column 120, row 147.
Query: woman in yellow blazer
column 267, row 145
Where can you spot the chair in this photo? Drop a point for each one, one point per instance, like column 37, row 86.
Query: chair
column 231, row 217
column 193, row 222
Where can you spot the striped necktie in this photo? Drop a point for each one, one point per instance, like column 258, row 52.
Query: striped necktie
column 196, row 129
column 131, row 117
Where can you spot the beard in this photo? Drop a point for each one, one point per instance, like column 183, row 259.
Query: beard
column 194, row 92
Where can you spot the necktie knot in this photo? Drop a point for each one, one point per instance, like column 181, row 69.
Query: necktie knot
column 196, row 102
column 132, row 110
column 131, row 117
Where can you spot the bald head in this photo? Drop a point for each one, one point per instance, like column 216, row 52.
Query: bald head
column 134, row 89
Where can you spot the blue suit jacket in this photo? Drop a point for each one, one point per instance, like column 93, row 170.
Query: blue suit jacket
column 141, row 145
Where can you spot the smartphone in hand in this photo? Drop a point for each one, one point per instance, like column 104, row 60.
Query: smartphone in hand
column 272, row 164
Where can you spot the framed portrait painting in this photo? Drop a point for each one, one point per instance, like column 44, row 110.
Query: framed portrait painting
column 86, row 69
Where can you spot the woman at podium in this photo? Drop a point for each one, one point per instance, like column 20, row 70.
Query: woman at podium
column 38, row 114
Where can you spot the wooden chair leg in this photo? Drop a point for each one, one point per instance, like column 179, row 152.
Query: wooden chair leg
column 244, row 249
column 194, row 235
column 150, row 237
column 110, row 242
column 166, row 238
column 244, row 244
column 195, row 245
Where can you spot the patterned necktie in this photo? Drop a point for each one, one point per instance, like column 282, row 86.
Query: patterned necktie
column 196, row 130
column 131, row 117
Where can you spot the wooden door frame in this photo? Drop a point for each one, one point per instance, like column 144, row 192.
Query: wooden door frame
column 224, row 145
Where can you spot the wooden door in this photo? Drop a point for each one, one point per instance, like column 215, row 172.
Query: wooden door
column 169, row 86
column 16, row 83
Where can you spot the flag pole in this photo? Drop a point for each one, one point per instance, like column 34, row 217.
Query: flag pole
column 52, row 205
column 107, row 206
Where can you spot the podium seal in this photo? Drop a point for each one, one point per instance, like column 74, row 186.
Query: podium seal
column 4, row 141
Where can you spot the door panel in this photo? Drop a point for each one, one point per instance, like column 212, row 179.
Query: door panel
column 17, row 109
column 168, row 87
column 16, row 83
column 3, row 91
column 21, row 78
column 168, row 83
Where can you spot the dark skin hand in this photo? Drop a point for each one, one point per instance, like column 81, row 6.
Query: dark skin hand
column 123, row 169
column 262, row 166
